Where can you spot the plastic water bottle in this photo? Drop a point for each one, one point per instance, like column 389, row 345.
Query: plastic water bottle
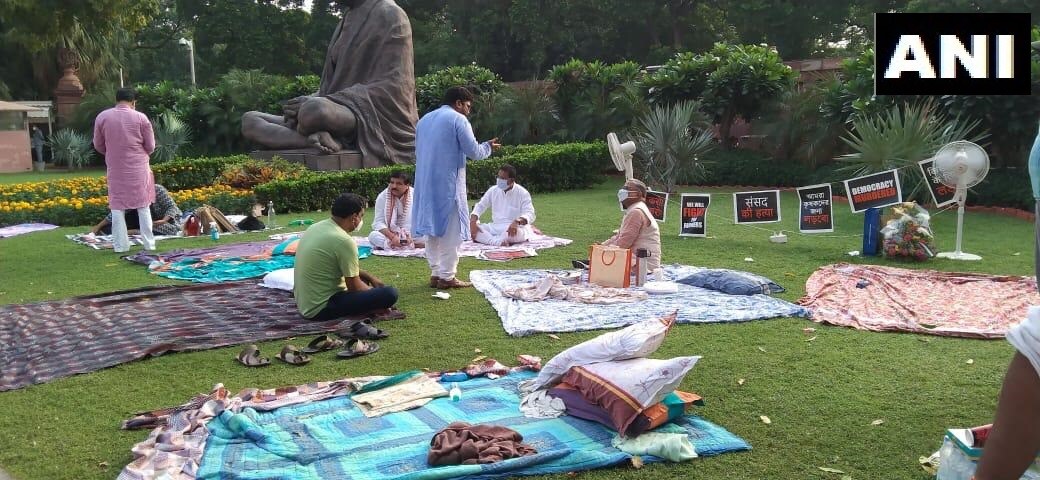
column 455, row 393
column 270, row 213
column 214, row 232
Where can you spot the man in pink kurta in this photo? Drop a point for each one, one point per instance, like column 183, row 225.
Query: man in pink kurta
column 124, row 136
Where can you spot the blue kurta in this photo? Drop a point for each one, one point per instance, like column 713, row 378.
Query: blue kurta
column 443, row 140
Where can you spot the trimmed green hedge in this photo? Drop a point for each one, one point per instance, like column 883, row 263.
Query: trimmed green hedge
column 540, row 168
column 189, row 173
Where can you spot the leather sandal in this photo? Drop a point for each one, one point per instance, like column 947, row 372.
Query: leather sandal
column 293, row 356
column 250, row 357
column 323, row 343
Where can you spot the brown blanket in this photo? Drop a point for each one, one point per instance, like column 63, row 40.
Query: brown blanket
column 465, row 444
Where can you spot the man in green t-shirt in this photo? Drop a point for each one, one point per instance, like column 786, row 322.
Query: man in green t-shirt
column 329, row 282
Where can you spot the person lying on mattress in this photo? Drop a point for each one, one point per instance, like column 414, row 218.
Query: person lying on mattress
column 166, row 217
column 512, row 212
column 392, row 225
column 638, row 227
column 329, row 282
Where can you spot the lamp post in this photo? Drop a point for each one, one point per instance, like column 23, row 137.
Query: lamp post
column 191, row 57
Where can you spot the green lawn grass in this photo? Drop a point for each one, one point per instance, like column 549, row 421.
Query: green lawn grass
column 821, row 395
column 50, row 174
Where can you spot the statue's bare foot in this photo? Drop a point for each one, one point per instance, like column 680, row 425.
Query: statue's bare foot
column 324, row 142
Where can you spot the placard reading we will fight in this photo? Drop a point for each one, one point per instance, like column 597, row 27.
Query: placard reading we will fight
column 694, row 214
column 756, row 207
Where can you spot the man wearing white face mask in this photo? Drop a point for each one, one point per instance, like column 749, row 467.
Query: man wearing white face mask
column 638, row 227
column 512, row 212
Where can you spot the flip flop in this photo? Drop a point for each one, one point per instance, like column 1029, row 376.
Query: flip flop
column 363, row 330
column 293, row 356
column 323, row 343
column 357, row 348
column 250, row 357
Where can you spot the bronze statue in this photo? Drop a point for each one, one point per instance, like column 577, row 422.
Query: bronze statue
column 366, row 97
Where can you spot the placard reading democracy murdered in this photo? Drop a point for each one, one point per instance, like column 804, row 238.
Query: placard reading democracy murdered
column 874, row 191
column 657, row 202
column 942, row 194
column 814, row 209
column 694, row 214
column 756, row 207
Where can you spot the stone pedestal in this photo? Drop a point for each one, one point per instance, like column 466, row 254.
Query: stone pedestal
column 67, row 96
column 314, row 159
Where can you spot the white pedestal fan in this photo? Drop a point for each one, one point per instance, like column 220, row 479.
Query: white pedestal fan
column 961, row 165
column 621, row 153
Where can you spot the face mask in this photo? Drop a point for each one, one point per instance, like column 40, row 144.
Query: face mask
column 503, row 184
column 622, row 195
column 360, row 223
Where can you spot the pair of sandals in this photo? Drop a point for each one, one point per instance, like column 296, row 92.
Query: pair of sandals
column 357, row 339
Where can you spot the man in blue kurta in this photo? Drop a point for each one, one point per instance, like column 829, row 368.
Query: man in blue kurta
column 443, row 140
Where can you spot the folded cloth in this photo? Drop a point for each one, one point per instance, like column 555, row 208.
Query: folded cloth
column 1026, row 337
column 675, row 447
column 540, row 404
column 552, row 287
column 485, row 367
column 412, row 393
column 463, row 444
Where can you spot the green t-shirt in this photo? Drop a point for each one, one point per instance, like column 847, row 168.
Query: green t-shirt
column 326, row 254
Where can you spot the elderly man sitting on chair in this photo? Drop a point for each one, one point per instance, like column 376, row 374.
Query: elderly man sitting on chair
column 392, row 226
column 512, row 212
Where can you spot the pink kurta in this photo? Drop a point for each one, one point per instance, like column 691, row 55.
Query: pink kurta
column 124, row 136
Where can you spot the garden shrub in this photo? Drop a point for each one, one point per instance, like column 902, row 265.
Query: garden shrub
column 250, row 173
column 84, row 201
column 540, row 168
column 189, row 173
column 430, row 88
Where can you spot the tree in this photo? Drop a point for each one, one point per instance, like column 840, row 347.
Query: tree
column 730, row 81
column 98, row 31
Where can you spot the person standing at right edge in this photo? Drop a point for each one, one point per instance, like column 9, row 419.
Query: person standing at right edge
column 443, row 140
column 124, row 136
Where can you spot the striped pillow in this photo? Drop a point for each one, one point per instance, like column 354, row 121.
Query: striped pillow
column 628, row 387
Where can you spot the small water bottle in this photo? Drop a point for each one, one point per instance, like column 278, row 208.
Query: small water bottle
column 270, row 213
column 455, row 393
column 214, row 232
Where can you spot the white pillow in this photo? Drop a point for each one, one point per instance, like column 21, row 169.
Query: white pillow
column 281, row 279
column 634, row 341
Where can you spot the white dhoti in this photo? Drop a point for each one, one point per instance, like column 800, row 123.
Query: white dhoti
column 1025, row 337
column 379, row 241
column 495, row 234
column 442, row 253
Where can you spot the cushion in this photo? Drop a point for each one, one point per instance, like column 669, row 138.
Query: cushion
column 673, row 406
column 625, row 388
column 281, row 279
column 634, row 341
column 732, row 282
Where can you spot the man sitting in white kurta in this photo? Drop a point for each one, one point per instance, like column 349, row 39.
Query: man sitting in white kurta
column 392, row 226
column 512, row 212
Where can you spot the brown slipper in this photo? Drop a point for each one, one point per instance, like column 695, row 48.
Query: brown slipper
column 293, row 356
column 323, row 343
column 453, row 283
column 357, row 347
column 250, row 357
